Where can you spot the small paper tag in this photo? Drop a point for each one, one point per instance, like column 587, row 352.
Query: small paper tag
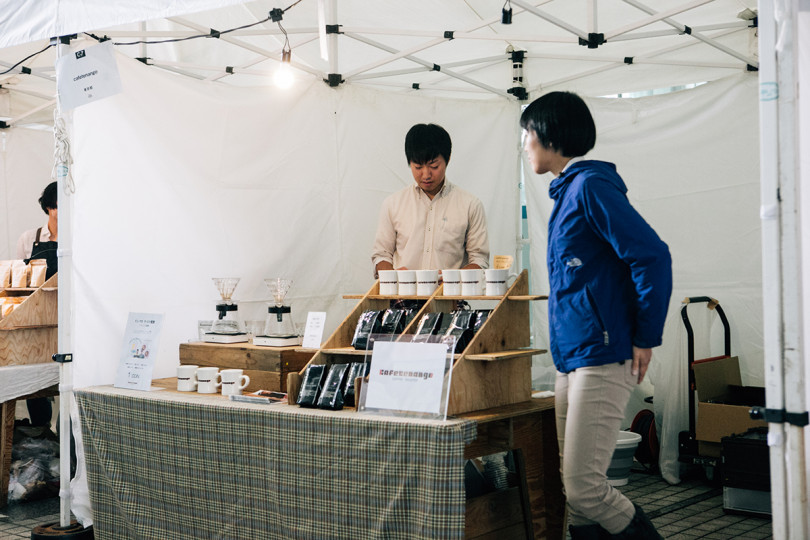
column 502, row 261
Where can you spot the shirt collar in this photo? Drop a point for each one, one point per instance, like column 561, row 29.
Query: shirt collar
column 571, row 162
column 447, row 187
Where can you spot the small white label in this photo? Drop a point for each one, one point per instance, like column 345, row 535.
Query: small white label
column 313, row 334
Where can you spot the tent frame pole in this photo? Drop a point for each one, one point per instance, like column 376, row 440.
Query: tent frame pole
column 781, row 280
column 655, row 18
column 696, row 35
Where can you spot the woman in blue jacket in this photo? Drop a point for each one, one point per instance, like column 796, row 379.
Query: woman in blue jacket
column 610, row 278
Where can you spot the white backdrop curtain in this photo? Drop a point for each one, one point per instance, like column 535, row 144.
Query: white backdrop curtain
column 690, row 160
column 26, row 159
column 178, row 181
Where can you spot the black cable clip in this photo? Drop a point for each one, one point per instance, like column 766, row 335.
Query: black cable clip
column 448, row 34
column 214, row 33
column 276, row 14
column 63, row 358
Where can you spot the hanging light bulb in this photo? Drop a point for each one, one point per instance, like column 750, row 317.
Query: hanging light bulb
column 284, row 76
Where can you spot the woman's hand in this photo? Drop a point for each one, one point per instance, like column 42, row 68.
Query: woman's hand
column 641, row 361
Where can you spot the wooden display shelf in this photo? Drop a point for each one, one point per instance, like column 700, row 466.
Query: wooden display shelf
column 267, row 367
column 505, row 355
column 493, row 370
column 29, row 334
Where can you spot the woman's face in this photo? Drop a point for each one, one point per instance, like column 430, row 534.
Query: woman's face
column 540, row 157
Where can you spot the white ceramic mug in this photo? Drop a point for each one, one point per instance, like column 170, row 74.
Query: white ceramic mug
column 207, row 380
column 427, row 281
column 406, row 282
column 472, row 282
column 496, row 279
column 388, row 282
column 233, row 381
column 187, row 378
column 452, row 282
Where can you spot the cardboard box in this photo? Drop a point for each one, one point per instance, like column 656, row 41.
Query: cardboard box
column 723, row 403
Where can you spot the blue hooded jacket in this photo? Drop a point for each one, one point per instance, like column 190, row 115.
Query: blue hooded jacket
column 610, row 274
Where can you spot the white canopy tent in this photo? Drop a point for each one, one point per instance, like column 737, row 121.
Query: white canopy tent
column 179, row 179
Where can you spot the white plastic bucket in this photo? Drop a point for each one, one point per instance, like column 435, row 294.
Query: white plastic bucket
column 618, row 472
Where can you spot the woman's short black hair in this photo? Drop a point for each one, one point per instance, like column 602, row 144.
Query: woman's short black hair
column 48, row 198
column 426, row 142
column 562, row 122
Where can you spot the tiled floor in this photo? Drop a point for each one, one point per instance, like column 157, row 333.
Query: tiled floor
column 18, row 519
column 689, row 510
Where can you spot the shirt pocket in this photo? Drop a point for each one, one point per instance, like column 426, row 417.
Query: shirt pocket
column 451, row 235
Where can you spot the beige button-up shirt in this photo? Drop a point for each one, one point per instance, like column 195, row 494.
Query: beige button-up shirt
column 449, row 231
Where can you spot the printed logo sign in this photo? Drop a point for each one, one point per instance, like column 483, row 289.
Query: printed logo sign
column 87, row 75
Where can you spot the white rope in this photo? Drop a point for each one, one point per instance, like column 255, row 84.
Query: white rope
column 62, row 159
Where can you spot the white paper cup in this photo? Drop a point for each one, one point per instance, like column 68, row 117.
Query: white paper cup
column 388, row 282
column 496, row 281
column 207, row 380
column 187, row 378
column 427, row 281
column 406, row 282
column 233, row 381
column 452, row 282
column 472, row 282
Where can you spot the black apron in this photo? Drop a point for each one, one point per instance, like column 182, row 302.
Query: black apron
column 47, row 251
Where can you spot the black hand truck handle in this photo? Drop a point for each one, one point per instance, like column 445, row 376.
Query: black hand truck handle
column 713, row 304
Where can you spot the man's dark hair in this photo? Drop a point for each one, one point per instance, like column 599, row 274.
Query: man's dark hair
column 48, row 198
column 426, row 142
column 562, row 122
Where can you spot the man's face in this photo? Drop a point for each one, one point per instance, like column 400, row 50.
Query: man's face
column 430, row 176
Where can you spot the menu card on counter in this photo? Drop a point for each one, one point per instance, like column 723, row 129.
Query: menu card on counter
column 138, row 351
column 314, row 329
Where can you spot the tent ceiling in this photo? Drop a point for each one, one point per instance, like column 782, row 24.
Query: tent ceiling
column 649, row 44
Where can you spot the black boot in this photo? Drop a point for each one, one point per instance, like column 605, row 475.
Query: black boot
column 594, row 531
column 640, row 528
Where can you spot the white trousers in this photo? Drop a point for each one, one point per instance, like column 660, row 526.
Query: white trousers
column 590, row 404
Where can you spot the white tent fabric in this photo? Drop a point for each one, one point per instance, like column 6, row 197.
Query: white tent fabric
column 24, row 21
column 179, row 181
column 702, row 199
column 26, row 159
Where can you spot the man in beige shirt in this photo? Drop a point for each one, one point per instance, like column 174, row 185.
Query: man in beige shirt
column 433, row 224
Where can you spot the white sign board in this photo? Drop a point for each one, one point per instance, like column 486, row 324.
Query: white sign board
column 407, row 376
column 316, row 320
column 87, row 75
column 140, row 345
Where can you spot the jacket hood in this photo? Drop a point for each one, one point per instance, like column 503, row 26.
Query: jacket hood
column 604, row 170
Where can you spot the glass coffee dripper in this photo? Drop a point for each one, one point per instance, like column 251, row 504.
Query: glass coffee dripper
column 279, row 321
column 227, row 321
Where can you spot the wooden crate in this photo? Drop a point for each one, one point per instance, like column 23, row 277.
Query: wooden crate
column 493, row 370
column 267, row 367
column 29, row 334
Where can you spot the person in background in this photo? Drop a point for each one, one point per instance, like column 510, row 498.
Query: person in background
column 41, row 243
column 432, row 224
column 610, row 279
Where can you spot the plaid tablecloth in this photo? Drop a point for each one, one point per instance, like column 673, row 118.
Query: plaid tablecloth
column 164, row 465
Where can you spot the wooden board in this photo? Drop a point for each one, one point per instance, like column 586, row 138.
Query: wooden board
column 38, row 309
column 495, row 516
column 243, row 355
column 26, row 346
